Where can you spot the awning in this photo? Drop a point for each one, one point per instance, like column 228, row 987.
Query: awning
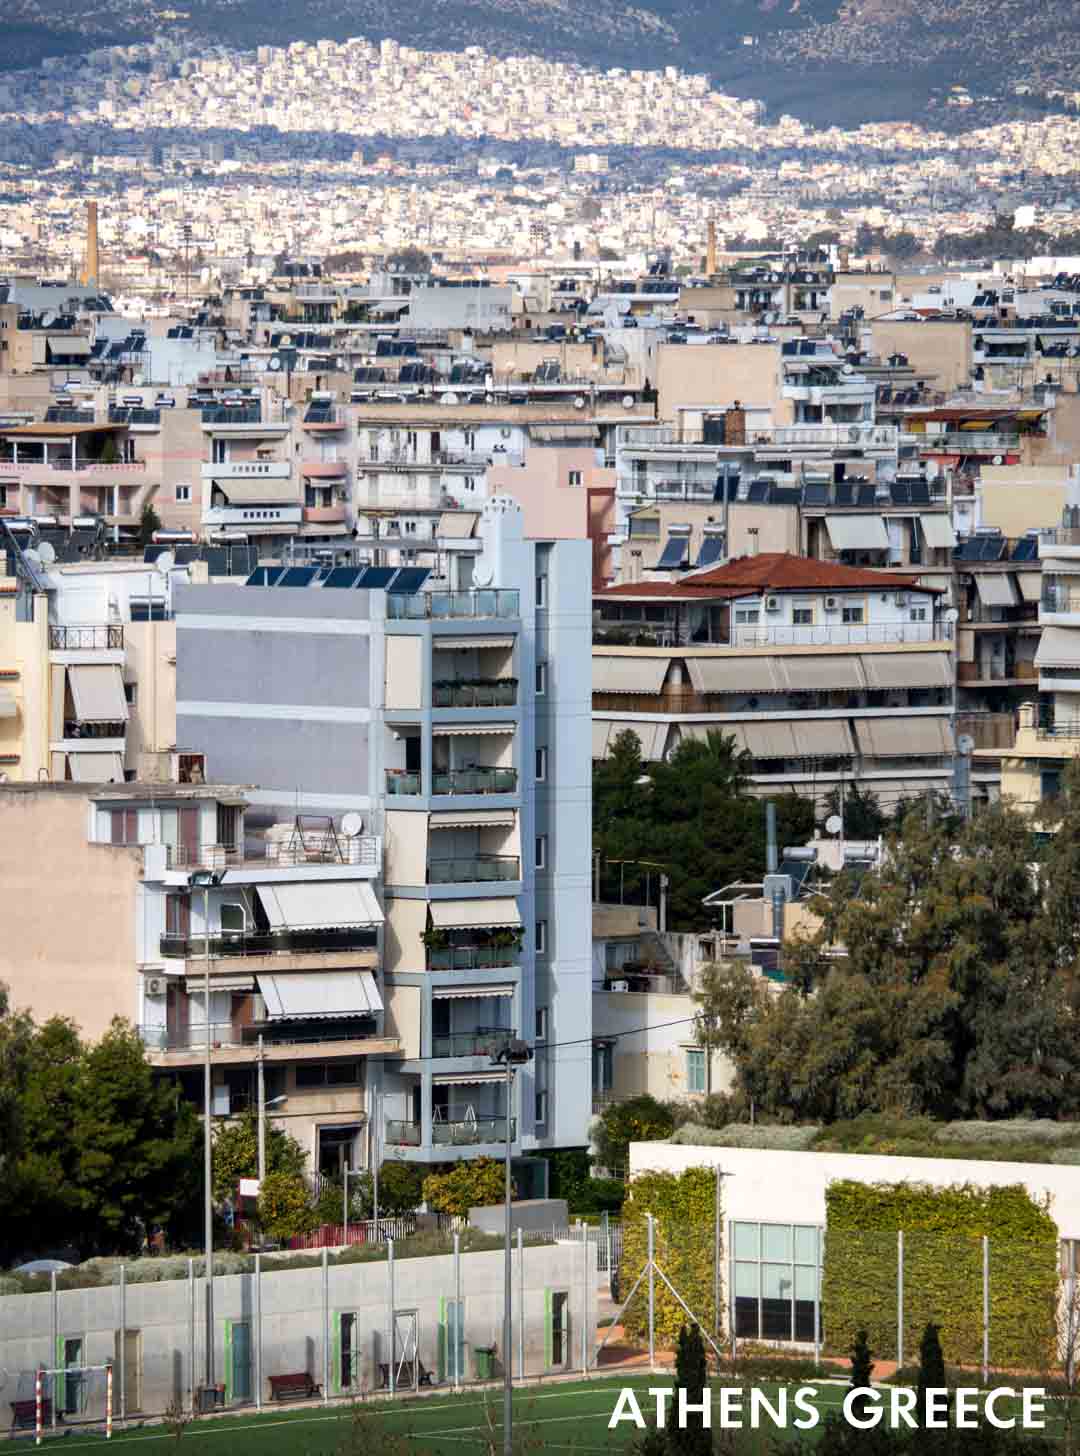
column 938, row 532
column 600, row 731
column 735, row 674
column 471, row 730
column 98, row 693
column 319, row 993
column 907, row 669
column 319, row 904
column 997, row 590
column 217, row 983
column 459, row 524
column 770, row 740
column 257, row 490
column 651, row 736
column 839, row 673
column 1058, row 647
column 472, row 819
column 465, row 644
column 857, row 533
column 1030, row 584
column 96, row 768
column 823, row 738
column 629, row 674
column 558, row 434
column 69, row 347
column 466, row 914
column 8, row 705
column 467, row 1079
column 903, row 737
column 474, row 993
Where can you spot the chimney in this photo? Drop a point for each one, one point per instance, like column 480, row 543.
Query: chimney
column 90, row 267
column 710, row 254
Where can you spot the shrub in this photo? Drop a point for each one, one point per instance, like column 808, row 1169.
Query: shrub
column 401, row 1187
column 683, row 1206
column 777, row 1137
column 638, row 1120
column 285, row 1206
column 474, row 1184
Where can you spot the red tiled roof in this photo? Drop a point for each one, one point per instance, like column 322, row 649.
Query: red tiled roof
column 771, row 571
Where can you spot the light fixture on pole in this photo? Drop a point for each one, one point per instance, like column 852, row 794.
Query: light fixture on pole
column 512, row 1053
column 206, row 880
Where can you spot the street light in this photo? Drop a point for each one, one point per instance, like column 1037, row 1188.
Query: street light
column 205, row 880
column 513, row 1053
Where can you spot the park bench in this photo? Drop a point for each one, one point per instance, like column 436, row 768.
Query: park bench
column 403, row 1380
column 296, row 1386
column 24, row 1414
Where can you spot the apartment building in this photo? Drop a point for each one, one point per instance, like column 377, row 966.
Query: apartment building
column 451, row 717
column 824, row 673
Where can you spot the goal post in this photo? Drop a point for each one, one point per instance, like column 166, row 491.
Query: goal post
column 80, row 1395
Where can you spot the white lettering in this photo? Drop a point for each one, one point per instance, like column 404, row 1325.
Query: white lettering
column 902, row 1403
column 1002, row 1392
column 759, row 1403
column 855, row 1415
column 661, row 1393
column 701, row 1408
column 803, row 1401
column 1032, row 1404
column 936, row 1410
column 627, row 1409
column 731, row 1407
column 967, row 1409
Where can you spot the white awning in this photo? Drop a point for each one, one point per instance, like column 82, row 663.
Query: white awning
column 651, row 736
column 1058, row 647
column 319, row 904
column 459, row 524
column 470, row 730
column 857, row 533
column 96, row 768
column 258, row 490
column 823, row 738
column 474, row 993
column 465, row 644
column 98, row 694
column 629, row 674
column 1030, row 584
column 319, row 993
column 734, row 674
column 810, row 674
column 8, row 705
column 466, row 914
column 886, row 670
column 770, row 740
column 938, row 532
column 600, row 731
column 196, row 974
column 472, row 819
column 467, row 1079
column 997, row 590
column 903, row 737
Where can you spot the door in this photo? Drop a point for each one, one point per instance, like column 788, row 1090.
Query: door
column 406, row 1354
column 558, row 1334
column 73, row 1387
column 452, row 1340
column 346, row 1365
column 237, row 1360
column 129, row 1361
column 188, row 826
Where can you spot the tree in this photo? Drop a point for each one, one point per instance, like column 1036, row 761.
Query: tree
column 149, row 522
column 284, row 1207
column 236, row 1153
column 862, row 1368
column 401, row 1188
column 860, row 810
column 639, row 1119
column 931, row 1365
column 468, row 1184
column 691, row 1375
column 409, row 260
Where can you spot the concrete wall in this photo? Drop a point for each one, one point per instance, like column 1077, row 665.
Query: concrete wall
column 298, row 1328
column 24, row 649
column 1017, row 498
column 718, row 375
column 935, row 348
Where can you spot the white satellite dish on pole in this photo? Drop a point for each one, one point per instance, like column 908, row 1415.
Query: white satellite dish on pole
column 833, row 824
column 47, row 552
column 352, row 825
column 965, row 743
column 165, row 563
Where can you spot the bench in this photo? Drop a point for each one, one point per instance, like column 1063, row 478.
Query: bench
column 403, row 1379
column 24, row 1414
column 297, row 1386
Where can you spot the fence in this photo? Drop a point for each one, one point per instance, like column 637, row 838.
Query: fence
column 364, row 1231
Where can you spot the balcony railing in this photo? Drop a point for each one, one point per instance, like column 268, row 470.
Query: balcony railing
column 470, row 869
column 852, row 635
column 236, row 1034
column 476, row 781
column 86, row 639
column 969, row 442
column 263, row 943
column 453, row 605
column 1059, row 599
column 470, row 1043
column 472, row 957
column 398, row 781
column 496, row 693
column 202, row 856
column 457, row 1134
column 75, row 728
column 1066, row 728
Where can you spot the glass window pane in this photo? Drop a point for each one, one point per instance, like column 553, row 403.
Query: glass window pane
column 806, row 1283
column 746, row 1319
column 747, row 1241
column 776, row 1281
column 806, row 1245
column 746, row 1281
column 776, row 1240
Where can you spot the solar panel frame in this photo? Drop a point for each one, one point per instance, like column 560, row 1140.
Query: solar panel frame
column 1026, row 549
column 676, row 553
column 343, row 577
column 297, row 576
column 410, row 579
column 264, row 576
column 712, row 551
column 376, row 577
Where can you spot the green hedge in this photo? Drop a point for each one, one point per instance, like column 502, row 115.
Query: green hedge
column 943, row 1231
column 683, row 1207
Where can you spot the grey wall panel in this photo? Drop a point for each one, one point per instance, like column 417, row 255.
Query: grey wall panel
column 285, row 754
column 261, row 668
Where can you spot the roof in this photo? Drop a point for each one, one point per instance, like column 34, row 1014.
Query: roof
column 62, row 430
column 771, row 571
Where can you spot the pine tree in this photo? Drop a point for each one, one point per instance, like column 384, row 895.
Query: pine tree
column 931, row 1364
column 862, row 1367
column 691, row 1375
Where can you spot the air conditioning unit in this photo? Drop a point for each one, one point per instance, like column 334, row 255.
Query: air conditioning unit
column 619, row 986
column 832, row 604
column 155, row 985
column 772, row 604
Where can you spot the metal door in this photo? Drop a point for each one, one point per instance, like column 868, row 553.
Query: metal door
column 406, row 1354
column 241, row 1360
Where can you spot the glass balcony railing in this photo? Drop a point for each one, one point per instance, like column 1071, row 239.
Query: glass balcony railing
column 398, row 781
column 469, row 1043
column 498, row 693
column 192, row 1038
column 467, row 1132
column 476, row 781
column 471, row 869
column 473, row 957
column 437, row 606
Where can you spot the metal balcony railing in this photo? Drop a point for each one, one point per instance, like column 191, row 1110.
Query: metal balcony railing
column 75, row 728
column 262, row 943
column 236, row 1034
column 86, row 639
column 497, row 693
column 476, row 781
column 472, row 957
column 471, row 869
column 852, row 635
column 470, row 1043
column 466, row 1132
column 202, row 856
column 453, row 605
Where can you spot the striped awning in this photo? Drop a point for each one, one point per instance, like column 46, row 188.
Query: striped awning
column 473, row 993
column 472, row 819
column 471, row 730
column 466, row 914
column 319, row 904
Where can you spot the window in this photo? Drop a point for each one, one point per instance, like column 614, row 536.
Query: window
column 695, row 1071
column 146, row 610
column 541, row 937
column 233, row 919
column 541, row 1021
column 574, row 478
column 130, row 692
column 747, row 616
column 183, row 493
column 602, row 1066
column 541, row 765
column 323, row 1074
column 852, row 615
column 1050, row 783
column 125, row 826
column 541, row 1108
column 177, row 915
column 775, row 1279
column 541, row 591
column 541, row 679
column 541, row 850
column 802, row 614
column 917, row 614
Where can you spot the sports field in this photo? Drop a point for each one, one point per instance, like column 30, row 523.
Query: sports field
column 571, row 1417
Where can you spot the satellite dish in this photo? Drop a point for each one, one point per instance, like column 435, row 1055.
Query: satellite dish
column 848, row 369
column 352, row 824
column 952, row 616
column 999, row 460
column 628, row 401
column 286, row 340
column 47, row 552
column 47, row 318
column 32, row 556
column 448, row 398
column 165, row 563
column 275, row 363
column 579, row 401
column 833, row 824
column 965, row 743
column 483, row 573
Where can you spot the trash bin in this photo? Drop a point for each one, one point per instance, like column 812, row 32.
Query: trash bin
column 484, row 1361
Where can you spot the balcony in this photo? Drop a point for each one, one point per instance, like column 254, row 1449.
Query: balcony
column 446, row 606
column 247, row 470
column 689, row 490
column 479, row 693
column 86, row 639
column 462, row 1134
column 236, row 1044
column 470, row 1043
column 108, row 472
column 398, row 781
column 324, row 515
column 476, row 781
column 264, row 943
column 473, row 957
column 1059, row 599
column 968, row 442
column 853, row 635
column 474, row 869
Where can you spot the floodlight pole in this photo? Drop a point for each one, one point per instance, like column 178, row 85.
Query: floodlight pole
column 513, row 1053
column 204, row 880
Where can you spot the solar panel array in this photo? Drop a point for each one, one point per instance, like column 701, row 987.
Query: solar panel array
column 675, row 554
column 712, row 551
column 1026, row 549
column 402, row 579
column 980, row 548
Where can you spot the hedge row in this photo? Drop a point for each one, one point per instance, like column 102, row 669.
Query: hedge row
column 684, row 1209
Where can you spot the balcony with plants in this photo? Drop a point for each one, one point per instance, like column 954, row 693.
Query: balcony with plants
column 474, row 692
column 473, row 949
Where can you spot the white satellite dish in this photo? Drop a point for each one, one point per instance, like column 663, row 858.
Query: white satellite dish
column 165, row 563
column 448, row 398
column 286, row 340
column 847, row 369
column 47, row 318
column 352, row 824
column 579, row 401
column 628, row 401
column 33, row 556
column 47, row 552
column 833, row 824
column 275, row 363
column 965, row 743
column 999, row 460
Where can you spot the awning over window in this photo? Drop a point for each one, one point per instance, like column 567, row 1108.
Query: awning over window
column 464, row 644
column 938, row 532
column 735, row 674
column 857, row 533
column 997, row 590
column 907, row 669
column 96, row 768
column 459, row 524
column 259, row 490
column 470, row 730
column 472, row 819
column 1030, row 584
column 840, row 673
column 1058, row 647
column 98, row 694
column 770, row 740
column 474, row 993
column 308, row 994
column 319, row 904
column 651, row 736
column 629, row 674
column 823, row 738
column 465, row 914
column 8, row 705
column 467, row 1079
column 903, row 737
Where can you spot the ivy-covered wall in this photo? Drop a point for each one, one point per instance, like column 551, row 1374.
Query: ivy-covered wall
column 683, row 1206
column 943, row 1271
